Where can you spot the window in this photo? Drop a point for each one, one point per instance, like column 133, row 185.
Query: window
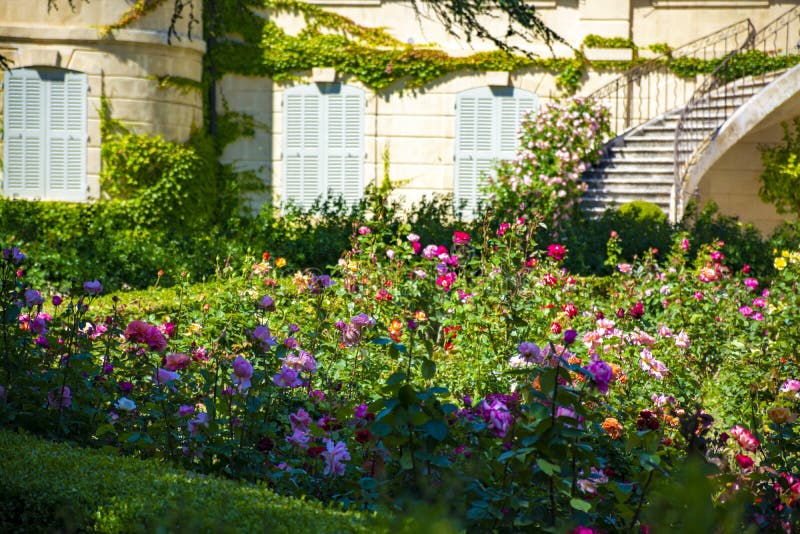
column 44, row 134
column 323, row 152
column 487, row 120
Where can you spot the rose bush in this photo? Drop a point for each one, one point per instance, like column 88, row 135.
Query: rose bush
column 516, row 395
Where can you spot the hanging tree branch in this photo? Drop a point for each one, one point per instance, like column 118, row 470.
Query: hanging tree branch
column 462, row 19
column 53, row 4
column 178, row 9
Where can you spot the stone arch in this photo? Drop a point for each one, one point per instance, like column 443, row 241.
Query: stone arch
column 756, row 122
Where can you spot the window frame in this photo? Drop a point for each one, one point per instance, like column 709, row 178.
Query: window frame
column 348, row 152
column 61, row 135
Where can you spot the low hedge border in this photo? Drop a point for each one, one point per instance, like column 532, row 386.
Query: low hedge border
column 55, row 487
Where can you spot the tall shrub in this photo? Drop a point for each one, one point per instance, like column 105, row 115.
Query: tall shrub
column 781, row 174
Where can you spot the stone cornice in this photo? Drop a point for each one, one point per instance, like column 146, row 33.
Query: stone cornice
column 56, row 35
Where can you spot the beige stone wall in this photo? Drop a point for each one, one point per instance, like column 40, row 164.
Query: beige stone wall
column 678, row 22
column 122, row 66
column 254, row 97
column 733, row 182
column 418, row 127
column 675, row 22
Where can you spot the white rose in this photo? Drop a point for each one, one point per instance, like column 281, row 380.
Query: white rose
column 124, row 403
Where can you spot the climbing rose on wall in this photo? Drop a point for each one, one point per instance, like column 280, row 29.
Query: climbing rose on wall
column 556, row 144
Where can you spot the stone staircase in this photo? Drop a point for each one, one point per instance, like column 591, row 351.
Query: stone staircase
column 640, row 163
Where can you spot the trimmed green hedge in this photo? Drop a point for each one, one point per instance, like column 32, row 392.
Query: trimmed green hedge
column 48, row 486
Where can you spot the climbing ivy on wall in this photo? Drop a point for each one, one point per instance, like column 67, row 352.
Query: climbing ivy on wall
column 164, row 184
column 247, row 43
column 370, row 55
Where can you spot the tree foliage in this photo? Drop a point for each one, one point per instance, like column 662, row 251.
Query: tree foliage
column 466, row 19
column 781, row 176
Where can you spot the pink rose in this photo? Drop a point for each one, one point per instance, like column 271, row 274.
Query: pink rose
column 242, row 373
column 177, row 361
column 164, row 376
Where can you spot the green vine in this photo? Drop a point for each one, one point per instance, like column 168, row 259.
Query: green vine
column 596, row 41
column 382, row 63
column 164, row 184
column 178, row 82
column 659, row 48
column 781, row 174
column 134, row 13
column 750, row 63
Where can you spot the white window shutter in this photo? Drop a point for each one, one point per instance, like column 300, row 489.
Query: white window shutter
column 76, row 88
column 344, row 147
column 45, row 134
column 512, row 110
column 23, row 134
column 474, row 147
column 302, row 150
column 323, row 143
column 487, row 122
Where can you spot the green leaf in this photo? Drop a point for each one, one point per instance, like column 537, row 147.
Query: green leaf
column 428, row 368
column 396, row 378
column 435, row 428
column 580, row 504
column 407, row 395
column 381, row 429
column 548, row 468
column 649, row 461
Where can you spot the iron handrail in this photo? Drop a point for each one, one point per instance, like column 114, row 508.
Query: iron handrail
column 651, row 89
column 724, row 91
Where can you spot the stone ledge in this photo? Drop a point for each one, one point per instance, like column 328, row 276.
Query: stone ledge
column 60, row 35
column 710, row 3
column 608, row 54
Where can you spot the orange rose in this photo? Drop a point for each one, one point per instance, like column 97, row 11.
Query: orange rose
column 780, row 415
column 612, row 427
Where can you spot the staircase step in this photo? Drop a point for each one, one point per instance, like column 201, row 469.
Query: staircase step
column 640, row 190
column 652, row 141
column 653, row 159
column 597, row 209
column 631, row 178
column 639, row 164
column 617, row 200
column 634, row 150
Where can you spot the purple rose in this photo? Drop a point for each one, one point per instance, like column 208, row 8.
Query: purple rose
column 33, row 298
column 603, row 374
column 570, row 336
column 267, row 303
column 93, row 287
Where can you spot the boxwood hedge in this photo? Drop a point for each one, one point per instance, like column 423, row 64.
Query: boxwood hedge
column 56, row 487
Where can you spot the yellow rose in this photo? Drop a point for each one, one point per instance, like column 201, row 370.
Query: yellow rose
column 195, row 328
column 784, row 253
column 780, row 263
column 280, row 262
column 780, row 415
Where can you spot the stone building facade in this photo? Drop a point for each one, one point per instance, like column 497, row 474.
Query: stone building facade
column 325, row 129
column 60, row 68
